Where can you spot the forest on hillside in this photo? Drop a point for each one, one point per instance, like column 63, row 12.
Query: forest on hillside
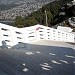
column 39, row 16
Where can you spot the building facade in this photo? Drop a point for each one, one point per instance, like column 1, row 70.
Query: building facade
column 12, row 36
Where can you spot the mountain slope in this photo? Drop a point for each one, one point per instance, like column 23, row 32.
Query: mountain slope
column 22, row 7
column 52, row 10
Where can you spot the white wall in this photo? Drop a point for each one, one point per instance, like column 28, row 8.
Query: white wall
column 74, row 35
column 13, row 36
column 54, row 34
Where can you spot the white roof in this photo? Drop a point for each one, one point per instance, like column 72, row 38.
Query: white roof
column 65, row 29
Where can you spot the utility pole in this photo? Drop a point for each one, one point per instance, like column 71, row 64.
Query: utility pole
column 46, row 18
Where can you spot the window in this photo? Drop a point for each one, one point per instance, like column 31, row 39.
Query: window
column 48, row 29
column 20, row 42
column 41, row 34
column 31, row 33
column 66, row 34
column 4, row 29
column 7, row 40
column 40, row 31
column 5, row 35
column 41, row 28
column 58, row 32
column 19, row 37
column 53, row 30
column 53, row 36
column 53, row 33
column 58, row 37
column 41, row 38
column 31, row 36
column 48, row 32
column 18, row 32
column 48, row 35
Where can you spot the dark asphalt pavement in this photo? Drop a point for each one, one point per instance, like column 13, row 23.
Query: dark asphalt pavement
column 40, row 60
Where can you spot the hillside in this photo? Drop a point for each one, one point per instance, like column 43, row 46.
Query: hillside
column 52, row 10
column 9, row 9
column 6, row 2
